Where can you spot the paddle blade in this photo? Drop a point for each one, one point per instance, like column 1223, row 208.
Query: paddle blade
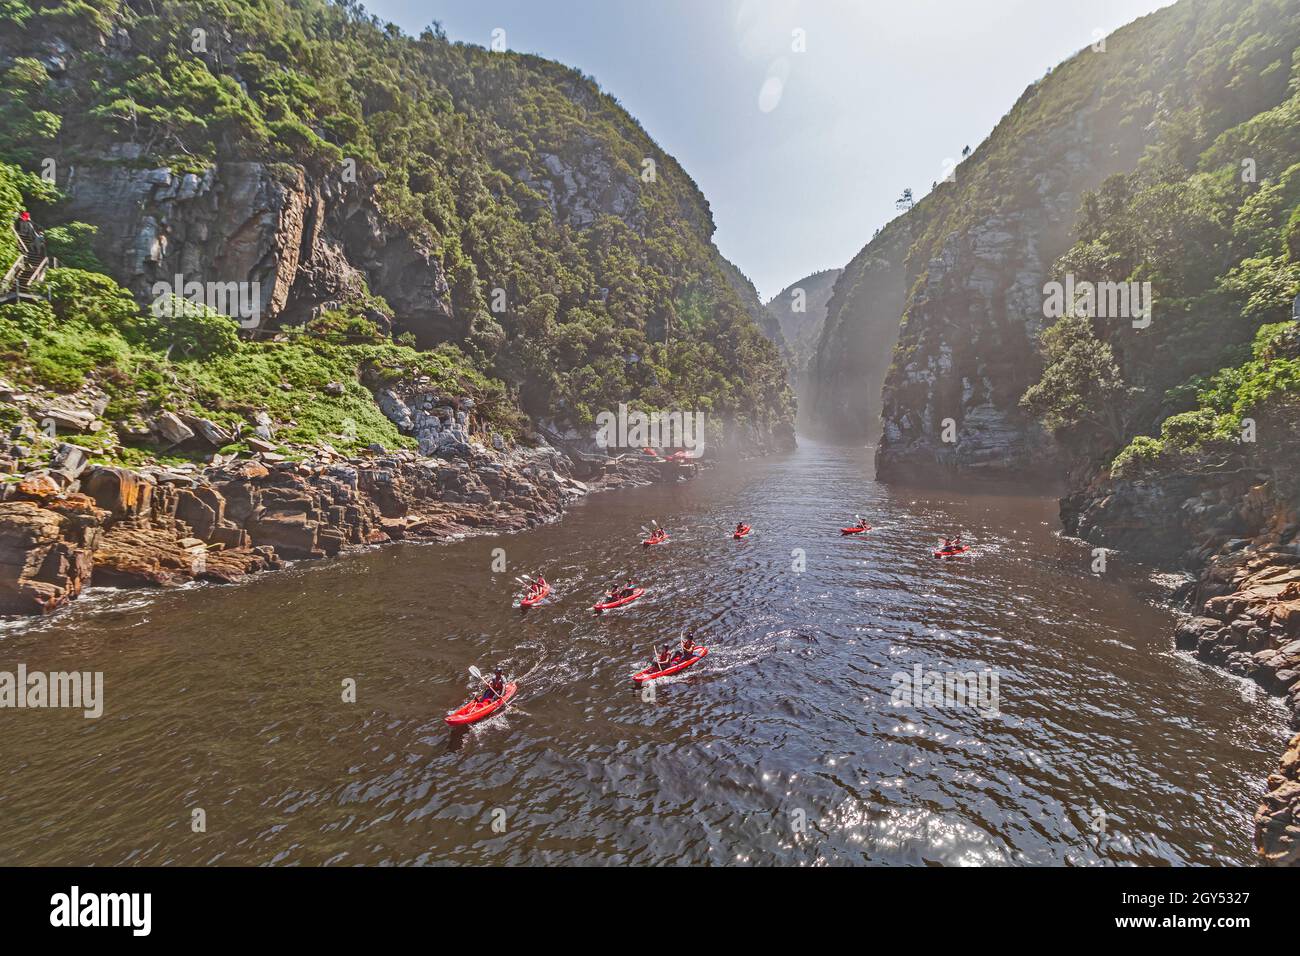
column 475, row 672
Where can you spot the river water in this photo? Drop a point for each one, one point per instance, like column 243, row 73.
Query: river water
column 1102, row 745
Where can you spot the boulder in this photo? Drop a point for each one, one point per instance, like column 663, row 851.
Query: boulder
column 121, row 492
column 202, row 509
column 45, row 557
column 208, row 430
column 70, row 419
column 292, row 536
column 71, row 460
column 138, row 556
column 171, row 429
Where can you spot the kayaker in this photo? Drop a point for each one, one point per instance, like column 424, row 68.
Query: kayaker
column 539, row 585
column 740, row 527
column 664, row 658
column 627, row 590
column 687, row 650
column 496, row 687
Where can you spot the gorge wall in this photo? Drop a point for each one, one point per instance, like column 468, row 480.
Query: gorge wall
column 972, row 257
column 799, row 312
column 846, row 372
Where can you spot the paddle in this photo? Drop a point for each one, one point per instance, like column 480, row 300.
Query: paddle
column 475, row 672
column 654, row 659
column 530, row 585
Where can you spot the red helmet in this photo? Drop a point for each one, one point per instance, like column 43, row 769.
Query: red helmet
column 25, row 216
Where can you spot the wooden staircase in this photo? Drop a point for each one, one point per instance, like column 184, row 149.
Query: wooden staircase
column 24, row 275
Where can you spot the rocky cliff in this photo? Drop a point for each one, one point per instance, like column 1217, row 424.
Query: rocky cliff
column 846, row 372
column 981, row 246
column 315, row 160
column 308, row 242
column 164, row 526
column 799, row 311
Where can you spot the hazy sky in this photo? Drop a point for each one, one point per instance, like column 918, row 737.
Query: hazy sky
column 800, row 154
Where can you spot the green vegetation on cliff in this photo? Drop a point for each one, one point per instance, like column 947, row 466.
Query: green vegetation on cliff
column 577, row 298
column 1210, row 217
column 91, row 331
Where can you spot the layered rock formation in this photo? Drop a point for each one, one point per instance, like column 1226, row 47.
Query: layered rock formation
column 159, row 527
column 1277, row 822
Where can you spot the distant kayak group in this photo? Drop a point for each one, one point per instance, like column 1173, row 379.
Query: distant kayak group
column 666, row 660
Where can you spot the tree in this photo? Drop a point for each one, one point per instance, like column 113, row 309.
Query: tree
column 1082, row 388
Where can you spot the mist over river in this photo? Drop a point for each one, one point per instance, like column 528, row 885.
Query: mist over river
column 781, row 747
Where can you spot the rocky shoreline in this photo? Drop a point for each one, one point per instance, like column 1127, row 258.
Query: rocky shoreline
column 1237, row 531
column 165, row 526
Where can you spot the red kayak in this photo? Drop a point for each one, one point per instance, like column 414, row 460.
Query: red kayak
column 855, row 530
column 535, row 595
column 654, row 673
column 951, row 552
column 618, row 602
column 655, row 539
column 743, row 532
column 477, row 709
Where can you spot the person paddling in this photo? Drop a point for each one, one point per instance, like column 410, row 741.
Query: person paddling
column 741, row 527
column 687, row 650
column 496, row 687
column 664, row 658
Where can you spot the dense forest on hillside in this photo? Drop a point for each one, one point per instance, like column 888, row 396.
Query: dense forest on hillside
column 578, row 261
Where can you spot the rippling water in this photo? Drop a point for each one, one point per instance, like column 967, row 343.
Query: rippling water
column 783, row 746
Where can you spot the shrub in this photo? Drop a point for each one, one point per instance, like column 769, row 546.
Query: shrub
column 70, row 244
column 192, row 330
column 1142, row 454
column 91, row 297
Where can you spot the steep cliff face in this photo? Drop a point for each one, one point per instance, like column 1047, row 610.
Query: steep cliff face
column 307, row 241
column 846, row 372
column 982, row 246
column 967, row 348
column 799, row 311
